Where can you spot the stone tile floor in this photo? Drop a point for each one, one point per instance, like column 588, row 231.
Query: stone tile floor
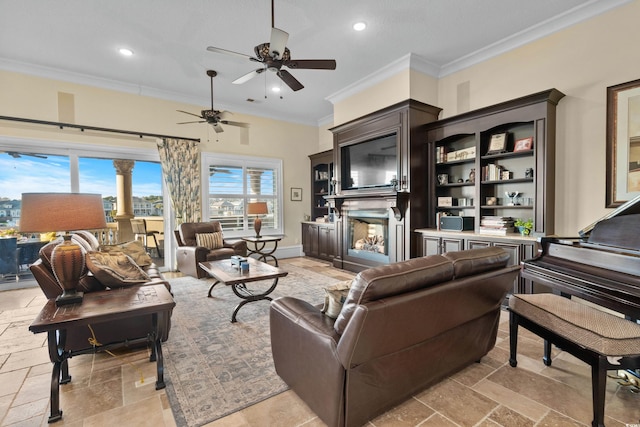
column 103, row 391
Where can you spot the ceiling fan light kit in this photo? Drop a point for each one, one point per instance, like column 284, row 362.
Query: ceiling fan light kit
column 214, row 117
column 274, row 55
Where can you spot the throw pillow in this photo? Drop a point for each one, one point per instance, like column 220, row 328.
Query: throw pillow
column 115, row 270
column 135, row 249
column 335, row 297
column 210, row 240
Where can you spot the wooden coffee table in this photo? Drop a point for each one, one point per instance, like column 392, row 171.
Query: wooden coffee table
column 227, row 274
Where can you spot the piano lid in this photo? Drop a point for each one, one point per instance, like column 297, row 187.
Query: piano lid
column 629, row 208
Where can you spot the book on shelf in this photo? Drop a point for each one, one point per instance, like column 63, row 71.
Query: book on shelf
column 496, row 225
column 495, row 231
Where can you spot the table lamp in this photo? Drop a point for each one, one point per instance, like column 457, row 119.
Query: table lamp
column 45, row 212
column 257, row 208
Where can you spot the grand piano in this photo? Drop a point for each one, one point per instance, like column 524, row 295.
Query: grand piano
column 602, row 265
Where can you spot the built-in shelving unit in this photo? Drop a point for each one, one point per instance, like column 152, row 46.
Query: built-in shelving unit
column 321, row 183
column 473, row 176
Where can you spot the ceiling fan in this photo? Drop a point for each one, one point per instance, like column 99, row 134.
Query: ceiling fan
column 17, row 155
column 274, row 55
column 214, row 117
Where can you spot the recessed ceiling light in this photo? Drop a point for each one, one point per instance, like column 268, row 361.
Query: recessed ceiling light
column 359, row 26
column 125, row 52
column 275, row 89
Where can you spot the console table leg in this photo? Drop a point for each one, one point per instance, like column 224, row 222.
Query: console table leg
column 54, row 399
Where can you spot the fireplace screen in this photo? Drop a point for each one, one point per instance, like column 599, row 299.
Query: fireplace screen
column 369, row 234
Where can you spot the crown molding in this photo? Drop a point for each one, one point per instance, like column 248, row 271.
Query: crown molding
column 141, row 90
column 571, row 17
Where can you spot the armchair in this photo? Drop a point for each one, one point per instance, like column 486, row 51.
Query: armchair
column 189, row 254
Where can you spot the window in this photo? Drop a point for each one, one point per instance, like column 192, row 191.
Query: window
column 230, row 182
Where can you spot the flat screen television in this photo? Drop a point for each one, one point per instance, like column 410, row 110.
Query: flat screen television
column 369, row 164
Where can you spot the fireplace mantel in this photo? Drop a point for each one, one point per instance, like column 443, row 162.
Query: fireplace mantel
column 397, row 201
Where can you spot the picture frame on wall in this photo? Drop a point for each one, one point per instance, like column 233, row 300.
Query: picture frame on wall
column 623, row 143
column 296, row 194
column 497, row 143
column 523, row 144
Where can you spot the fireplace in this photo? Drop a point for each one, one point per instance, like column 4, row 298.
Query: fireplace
column 370, row 229
column 368, row 235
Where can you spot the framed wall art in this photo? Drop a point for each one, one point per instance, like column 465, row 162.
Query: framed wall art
column 296, row 194
column 498, row 143
column 623, row 143
column 524, row 144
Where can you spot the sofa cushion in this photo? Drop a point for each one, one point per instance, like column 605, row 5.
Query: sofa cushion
column 47, row 250
column 393, row 279
column 475, row 261
column 135, row 249
column 210, row 240
column 115, row 270
column 188, row 230
column 335, row 296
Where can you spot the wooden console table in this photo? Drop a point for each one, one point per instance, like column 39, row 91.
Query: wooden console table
column 100, row 307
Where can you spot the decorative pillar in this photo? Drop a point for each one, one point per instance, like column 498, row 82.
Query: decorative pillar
column 124, row 199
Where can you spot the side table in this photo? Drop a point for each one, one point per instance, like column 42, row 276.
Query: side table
column 99, row 307
column 259, row 244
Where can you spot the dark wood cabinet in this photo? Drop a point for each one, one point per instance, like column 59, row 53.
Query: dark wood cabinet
column 475, row 159
column 437, row 245
column 319, row 240
column 321, row 183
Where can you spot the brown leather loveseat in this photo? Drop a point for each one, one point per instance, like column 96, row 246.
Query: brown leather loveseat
column 402, row 328
column 105, row 333
column 189, row 254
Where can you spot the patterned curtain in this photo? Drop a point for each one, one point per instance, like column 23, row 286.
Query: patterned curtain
column 181, row 169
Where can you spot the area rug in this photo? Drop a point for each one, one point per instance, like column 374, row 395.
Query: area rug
column 214, row 367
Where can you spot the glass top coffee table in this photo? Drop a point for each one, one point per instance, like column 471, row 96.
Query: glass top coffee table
column 223, row 271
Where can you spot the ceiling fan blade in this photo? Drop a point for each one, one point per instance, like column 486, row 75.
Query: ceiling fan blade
column 222, row 114
column 289, row 80
column 239, row 124
column 312, row 64
column 191, row 114
column 230, row 52
column 184, row 123
column 278, row 42
column 247, row 76
column 217, row 127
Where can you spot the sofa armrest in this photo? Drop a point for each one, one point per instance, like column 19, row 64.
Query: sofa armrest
column 303, row 343
column 238, row 246
column 188, row 257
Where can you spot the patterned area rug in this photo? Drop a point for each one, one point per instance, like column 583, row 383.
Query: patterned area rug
column 214, row 367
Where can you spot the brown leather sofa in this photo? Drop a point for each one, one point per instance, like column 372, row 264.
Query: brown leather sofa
column 189, row 254
column 402, row 328
column 105, row 333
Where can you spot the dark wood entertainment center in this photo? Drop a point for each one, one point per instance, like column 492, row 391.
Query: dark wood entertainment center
column 412, row 199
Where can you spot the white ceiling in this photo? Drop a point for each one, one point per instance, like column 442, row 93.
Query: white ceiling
column 77, row 40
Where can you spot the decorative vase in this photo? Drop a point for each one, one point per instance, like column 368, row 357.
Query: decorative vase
column 524, row 231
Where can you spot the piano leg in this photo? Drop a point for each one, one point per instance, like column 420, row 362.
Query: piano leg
column 598, row 388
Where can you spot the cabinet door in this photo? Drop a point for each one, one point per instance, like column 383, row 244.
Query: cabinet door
column 326, row 242
column 477, row 244
column 310, row 239
column 451, row 245
column 515, row 257
column 430, row 245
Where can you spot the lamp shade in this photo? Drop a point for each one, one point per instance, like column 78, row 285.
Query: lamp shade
column 257, row 208
column 44, row 212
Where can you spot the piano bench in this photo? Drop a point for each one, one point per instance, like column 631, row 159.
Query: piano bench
column 602, row 340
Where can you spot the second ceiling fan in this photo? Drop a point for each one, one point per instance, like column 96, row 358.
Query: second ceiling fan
column 274, row 55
